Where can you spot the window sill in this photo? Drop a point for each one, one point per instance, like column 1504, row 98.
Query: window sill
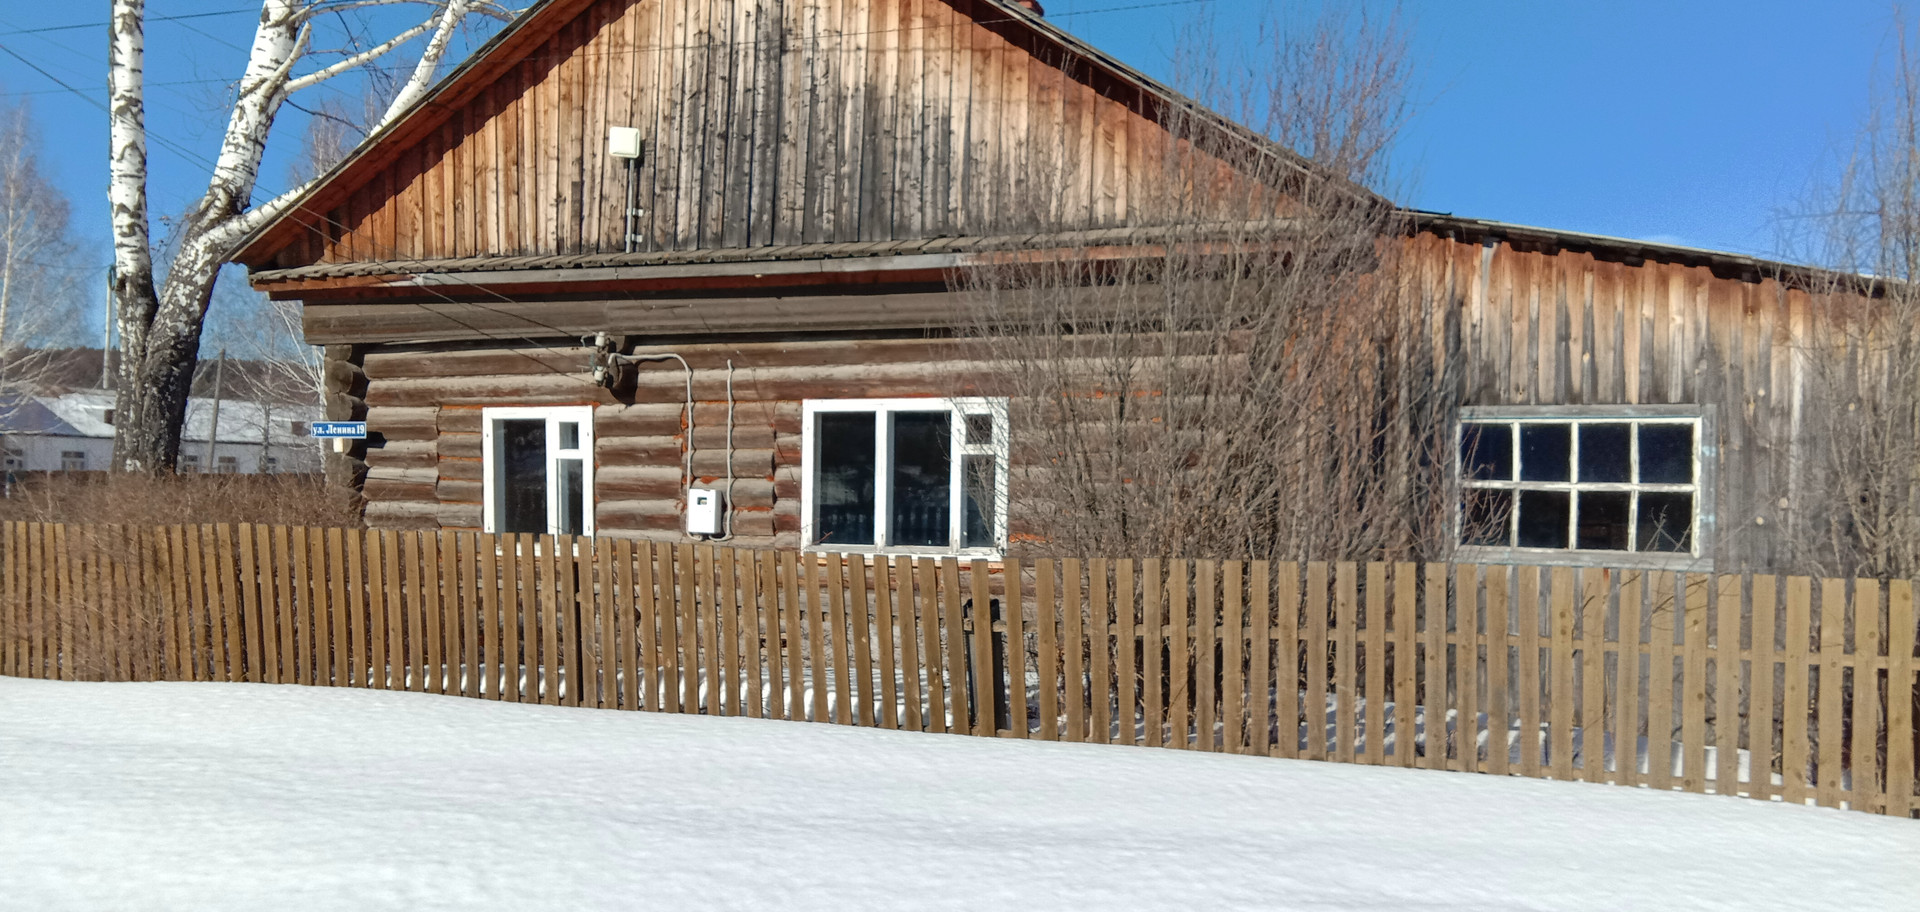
column 986, row 554
column 1555, row 557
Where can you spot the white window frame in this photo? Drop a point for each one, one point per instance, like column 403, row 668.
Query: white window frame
column 883, row 409
column 554, row 416
column 1705, row 459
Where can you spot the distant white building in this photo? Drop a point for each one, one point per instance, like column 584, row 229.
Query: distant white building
column 74, row 433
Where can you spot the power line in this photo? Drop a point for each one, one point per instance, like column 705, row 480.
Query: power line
column 88, row 25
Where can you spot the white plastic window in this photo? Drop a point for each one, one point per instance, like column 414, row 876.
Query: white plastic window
column 905, row 476
column 538, row 470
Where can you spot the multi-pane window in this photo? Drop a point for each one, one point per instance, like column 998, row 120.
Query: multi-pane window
column 73, row 460
column 226, row 465
column 1624, row 483
column 915, row 476
column 189, row 463
column 538, row 470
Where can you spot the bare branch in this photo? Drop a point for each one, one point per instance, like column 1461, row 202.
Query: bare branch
column 361, row 59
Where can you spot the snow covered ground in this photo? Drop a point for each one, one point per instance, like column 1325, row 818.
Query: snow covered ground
column 248, row 796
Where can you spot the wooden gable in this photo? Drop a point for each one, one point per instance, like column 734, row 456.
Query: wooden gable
column 766, row 122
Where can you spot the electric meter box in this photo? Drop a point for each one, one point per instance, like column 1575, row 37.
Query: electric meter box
column 703, row 511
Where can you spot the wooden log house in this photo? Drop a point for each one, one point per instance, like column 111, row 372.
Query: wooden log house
column 778, row 260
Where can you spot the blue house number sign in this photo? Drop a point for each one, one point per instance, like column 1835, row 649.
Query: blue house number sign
column 339, row 430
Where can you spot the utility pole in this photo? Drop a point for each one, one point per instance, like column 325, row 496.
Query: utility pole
column 213, row 429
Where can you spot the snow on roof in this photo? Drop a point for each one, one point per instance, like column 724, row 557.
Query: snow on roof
column 84, row 413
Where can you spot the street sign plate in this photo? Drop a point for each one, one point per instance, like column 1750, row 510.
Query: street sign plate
column 339, row 429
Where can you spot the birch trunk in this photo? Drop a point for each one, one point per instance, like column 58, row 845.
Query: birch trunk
column 160, row 328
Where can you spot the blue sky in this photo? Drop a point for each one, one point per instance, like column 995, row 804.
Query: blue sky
column 1699, row 123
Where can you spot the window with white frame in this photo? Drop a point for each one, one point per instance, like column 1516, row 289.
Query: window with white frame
column 1605, row 481
column 538, row 470
column 905, row 476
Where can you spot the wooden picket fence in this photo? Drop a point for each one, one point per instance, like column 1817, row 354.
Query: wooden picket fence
column 1783, row 688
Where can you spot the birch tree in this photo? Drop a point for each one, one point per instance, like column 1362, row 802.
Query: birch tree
column 160, row 319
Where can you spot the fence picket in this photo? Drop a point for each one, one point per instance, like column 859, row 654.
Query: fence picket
column 1313, row 706
column 1526, row 622
column 1795, row 718
column 1260, row 659
column 885, row 644
column 1286, row 675
column 1901, row 642
column 1435, row 699
column 1232, row 663
column 1760, row 728
column 1627, row 677
column 1073, row 647
column 836, row 617
column 1864, row 779
column 1726, row 700
column 1374, row 719
column 1693, row 703
column 1560, row 693
column 1828, row 723
column 928, row 604
column 1014, row 644
column 1210, row 656
column 1152, row 646
column 1100, row 726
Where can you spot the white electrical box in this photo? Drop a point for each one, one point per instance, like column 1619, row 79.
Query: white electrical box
column 703, row 511
column 623, row 142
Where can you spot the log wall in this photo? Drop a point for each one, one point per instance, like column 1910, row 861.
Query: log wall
column 1523, row 326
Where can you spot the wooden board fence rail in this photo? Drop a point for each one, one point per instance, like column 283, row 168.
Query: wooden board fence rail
column 1778, row 688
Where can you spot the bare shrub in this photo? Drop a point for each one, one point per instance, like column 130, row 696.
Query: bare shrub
column 140, row 500
column 1247, row 368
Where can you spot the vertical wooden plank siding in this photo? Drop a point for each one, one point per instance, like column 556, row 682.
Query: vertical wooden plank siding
column 790, row 610
column 338, row 635
column 300, row 592
column 1693, row 696
column 474, row 588
column 912, row 663
column 321, row 615
column 710, row 620
column 390, row 551
column 813, row 615
column 631, row 607
column 250, row 580
column 1466, row 658
column 1663, row 620
column 1406, row 663
column 494, row 660
column 1593, row 674
column 546, row 556
column 1286, row 675
column 1179, row 654
column 574, row 623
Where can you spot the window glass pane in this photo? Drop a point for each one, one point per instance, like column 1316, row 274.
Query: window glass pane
column 1666, row 453
column 921, row 479
column 1546, row 452
column 521, row 477
column 1543, row 517
column 1666, row 522
column 1603, row 518
column 1604, row 453
column 1484, row 515
column 569, row 435
column 843, row 478
column 979, row 430
column 573, row 496
column 977, row 530
column 1486, row 452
